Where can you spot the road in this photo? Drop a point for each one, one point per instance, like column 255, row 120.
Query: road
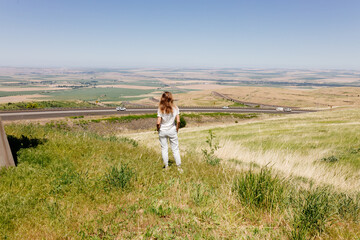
column 41, row 114
column 250, row 104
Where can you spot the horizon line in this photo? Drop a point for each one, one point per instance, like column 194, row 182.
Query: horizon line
column 182, row 67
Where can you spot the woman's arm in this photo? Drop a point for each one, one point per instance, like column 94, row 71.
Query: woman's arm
column 158, row 123
column 177, row 122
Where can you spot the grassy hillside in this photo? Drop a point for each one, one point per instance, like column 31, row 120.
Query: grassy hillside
column 81, row 185
column 322, row 146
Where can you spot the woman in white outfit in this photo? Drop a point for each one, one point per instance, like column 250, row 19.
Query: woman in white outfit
column 167, row 113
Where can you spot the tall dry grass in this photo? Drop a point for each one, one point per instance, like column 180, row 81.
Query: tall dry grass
column 293, row 164
column 293, row 145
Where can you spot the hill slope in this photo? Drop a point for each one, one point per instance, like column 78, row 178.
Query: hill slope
column 81, row 185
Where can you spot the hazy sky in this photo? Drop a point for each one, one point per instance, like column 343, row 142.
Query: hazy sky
column 180, row 33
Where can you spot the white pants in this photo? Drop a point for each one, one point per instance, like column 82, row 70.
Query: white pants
column 174, row 143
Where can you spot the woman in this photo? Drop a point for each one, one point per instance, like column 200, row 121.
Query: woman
column 167, row 113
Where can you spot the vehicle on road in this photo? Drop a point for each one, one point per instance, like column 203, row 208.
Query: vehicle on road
column 120, row 108
column 225, row 107
column 282, row 109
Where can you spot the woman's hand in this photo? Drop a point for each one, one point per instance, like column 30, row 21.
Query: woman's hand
column 177, row 122
column 158, row 124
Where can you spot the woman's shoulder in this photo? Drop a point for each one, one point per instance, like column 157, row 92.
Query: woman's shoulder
column 176, row 109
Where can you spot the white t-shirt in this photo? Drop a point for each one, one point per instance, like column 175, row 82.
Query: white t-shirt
column 168, row 120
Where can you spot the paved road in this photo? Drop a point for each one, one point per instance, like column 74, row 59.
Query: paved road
column 22, row 115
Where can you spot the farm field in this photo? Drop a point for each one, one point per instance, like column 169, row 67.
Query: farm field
column 310, row 98
column 304, row 88
column 258, row 176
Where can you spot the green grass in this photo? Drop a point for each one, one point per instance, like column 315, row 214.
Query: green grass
column 127, row 118
column 220, row 114
column 81, row 185
column 118, row 178
column 76, row 117
column 45, row 104
column 314, row 211
column 236, row 104
column 261, row 190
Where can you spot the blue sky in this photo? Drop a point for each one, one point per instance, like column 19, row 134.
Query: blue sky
column 180, row 33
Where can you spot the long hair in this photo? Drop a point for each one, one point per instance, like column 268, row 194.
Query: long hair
column 166, row 103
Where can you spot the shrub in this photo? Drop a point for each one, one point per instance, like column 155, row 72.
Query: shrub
column 312, row 213
column 209, row 156
column 31, row 105
column 118, row 177
column 82, row 123
column 160, row 210
column 182, row 122
column 330, row 159
column 260, row 190
column 76, row 117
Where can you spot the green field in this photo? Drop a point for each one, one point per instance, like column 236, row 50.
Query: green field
column 15, row 93
column 93, row 94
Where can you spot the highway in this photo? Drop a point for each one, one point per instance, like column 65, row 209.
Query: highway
column 41, row 114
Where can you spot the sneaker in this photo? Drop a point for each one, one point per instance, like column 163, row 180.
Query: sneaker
column 180, row 170
column 165, row 168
